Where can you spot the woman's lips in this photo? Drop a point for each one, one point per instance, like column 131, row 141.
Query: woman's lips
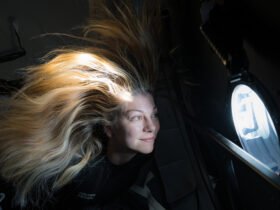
column 148, row 139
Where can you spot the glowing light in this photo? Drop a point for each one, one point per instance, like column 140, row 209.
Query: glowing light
column 255, row 127
column 250, row 116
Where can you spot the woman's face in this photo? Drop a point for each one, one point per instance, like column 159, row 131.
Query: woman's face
column 136, row 129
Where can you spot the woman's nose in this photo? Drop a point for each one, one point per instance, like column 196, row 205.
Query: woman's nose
column 149, row 125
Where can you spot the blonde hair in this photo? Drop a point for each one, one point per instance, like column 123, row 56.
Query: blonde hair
column 48, row 132
column 53, row 126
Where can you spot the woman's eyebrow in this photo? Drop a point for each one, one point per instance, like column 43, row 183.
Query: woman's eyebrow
column 133, row 110
column 138, row 110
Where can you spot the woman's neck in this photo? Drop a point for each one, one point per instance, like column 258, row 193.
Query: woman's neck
column 119, row 158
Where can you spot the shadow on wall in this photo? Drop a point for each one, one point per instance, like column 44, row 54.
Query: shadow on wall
column 31, row 19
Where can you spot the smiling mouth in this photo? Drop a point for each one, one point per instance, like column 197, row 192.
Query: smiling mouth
column 148, row 139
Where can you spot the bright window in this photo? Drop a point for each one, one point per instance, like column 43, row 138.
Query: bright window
column 255, row 127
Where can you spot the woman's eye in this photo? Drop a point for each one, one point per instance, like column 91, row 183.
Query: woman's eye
column 136, row 118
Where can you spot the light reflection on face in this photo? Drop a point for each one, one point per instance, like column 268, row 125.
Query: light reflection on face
column 136, row 129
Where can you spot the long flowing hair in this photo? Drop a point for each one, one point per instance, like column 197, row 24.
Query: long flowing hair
column 129, row 35
column 53, row 125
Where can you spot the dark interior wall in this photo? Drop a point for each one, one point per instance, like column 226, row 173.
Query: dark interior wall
column 198, row 69
column 34, row 18
column 206, row 91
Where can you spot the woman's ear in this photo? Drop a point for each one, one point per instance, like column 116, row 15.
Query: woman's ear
column 108, row 131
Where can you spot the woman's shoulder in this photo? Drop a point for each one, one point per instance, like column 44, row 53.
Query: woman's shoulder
column 93, row 174
column 100, row 171
column 85, row 186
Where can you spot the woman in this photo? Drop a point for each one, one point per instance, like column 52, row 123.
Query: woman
column 73, row 131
